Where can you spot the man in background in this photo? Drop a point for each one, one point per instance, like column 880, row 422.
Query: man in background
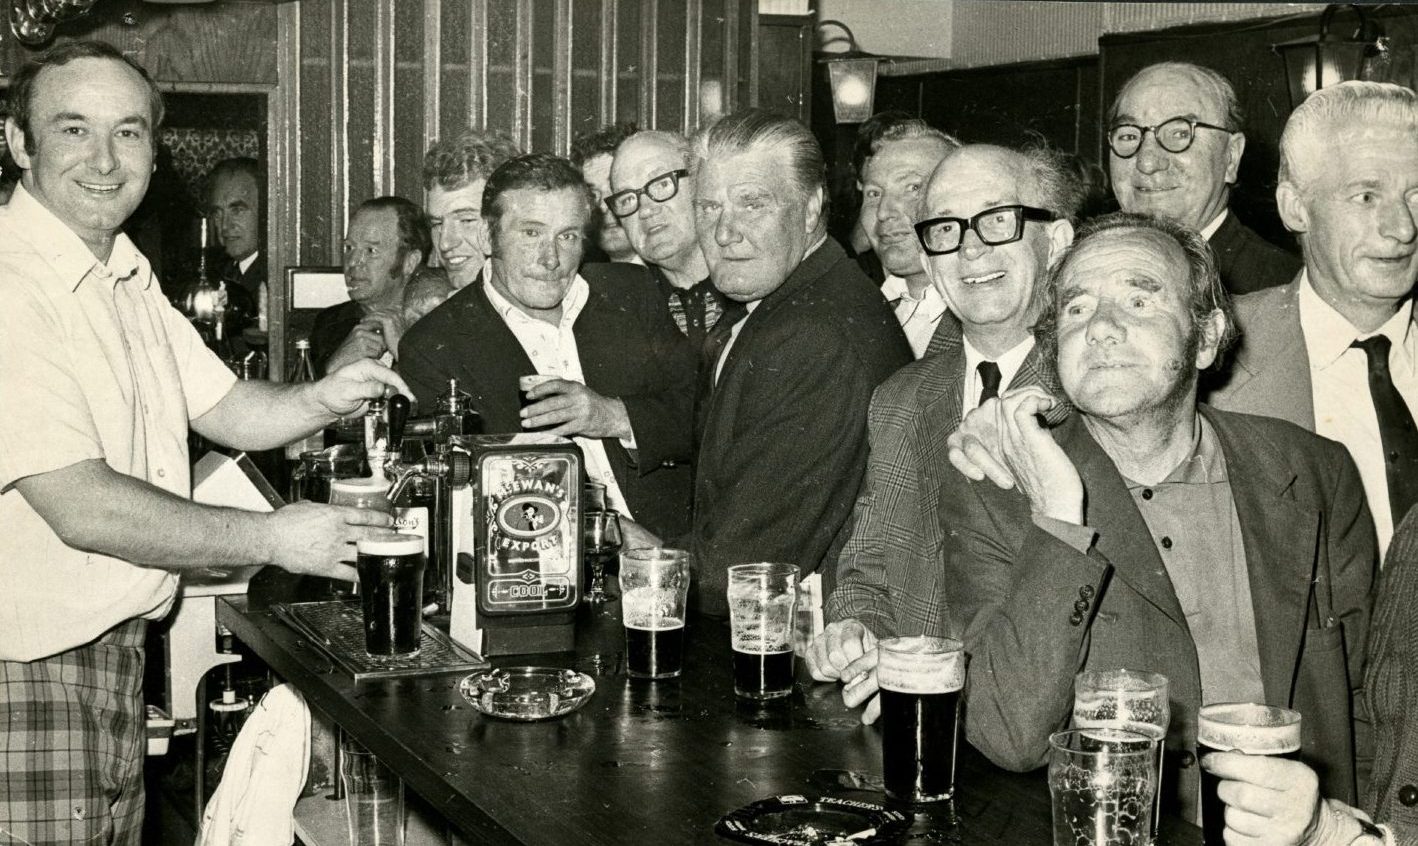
column 234, row 189
column 454, row 173
column 386, row 243
column 593, row 153
column 1175, row 139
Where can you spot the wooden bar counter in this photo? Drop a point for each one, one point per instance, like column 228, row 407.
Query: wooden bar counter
column 642, row 762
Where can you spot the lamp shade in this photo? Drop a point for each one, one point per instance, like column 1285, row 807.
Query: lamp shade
column 1327, row 59
column 853, row 83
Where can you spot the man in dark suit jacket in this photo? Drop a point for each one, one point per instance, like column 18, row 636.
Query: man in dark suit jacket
column 628, row 392
column 783, row 445
column 1232, row 554
column 889, row 573
column 1185, row 170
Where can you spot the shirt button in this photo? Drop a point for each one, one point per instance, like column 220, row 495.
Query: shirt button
column 1408, row 795
column 162, row 474
column 1166, row 543
column 1147, row 493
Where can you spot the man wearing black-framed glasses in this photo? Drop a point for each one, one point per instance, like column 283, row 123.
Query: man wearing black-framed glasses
column 1175, row 143
column 652, row 189
column 990, row 221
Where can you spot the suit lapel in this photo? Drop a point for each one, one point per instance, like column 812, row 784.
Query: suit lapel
column 1123, row 536
column 495, row 342
column 1034, row 371
column 1281, row 540
column 1273, row 363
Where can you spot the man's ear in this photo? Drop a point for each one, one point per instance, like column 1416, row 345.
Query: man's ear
column 1060, row 237
column 1235, row 148
column 412, row 260
column 1291, row 204
column 482, row 235
column 15, row 140
column 1211, row 331
column 814, row 209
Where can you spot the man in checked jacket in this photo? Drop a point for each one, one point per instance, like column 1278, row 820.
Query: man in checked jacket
column 991, row 221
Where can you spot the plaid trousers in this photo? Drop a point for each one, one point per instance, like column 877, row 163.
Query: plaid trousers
column 72, row 740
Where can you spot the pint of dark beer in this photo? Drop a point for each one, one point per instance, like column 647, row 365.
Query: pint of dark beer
column 391, row 592
column 920, row 680
column 762, row 598
column 1240, row 727
column 654, row 588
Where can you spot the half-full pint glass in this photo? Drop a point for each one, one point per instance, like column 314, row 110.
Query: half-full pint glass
column 654, row 586
column 1240, row 727
column 761, row 602
column 1101, row 782
column 920, row 680
column 391, row 592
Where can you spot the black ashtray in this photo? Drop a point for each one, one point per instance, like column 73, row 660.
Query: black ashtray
column 813, row 821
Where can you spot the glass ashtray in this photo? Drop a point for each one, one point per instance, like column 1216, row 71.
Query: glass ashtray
column 527, row 693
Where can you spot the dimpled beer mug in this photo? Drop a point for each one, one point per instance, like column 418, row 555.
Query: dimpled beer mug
column 1125, row 699
column 761, row 603
column 920, row 680
column 1101, row 781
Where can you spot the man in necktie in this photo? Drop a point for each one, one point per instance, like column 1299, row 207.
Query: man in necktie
column 990, row 221
column 783, row 445
column 893, row 178
column 1335, row 350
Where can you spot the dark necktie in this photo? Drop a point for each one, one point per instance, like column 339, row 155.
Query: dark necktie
column 989, row 380
column 1396, row 429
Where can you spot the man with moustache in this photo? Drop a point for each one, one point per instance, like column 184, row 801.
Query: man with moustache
column 783, row 446
column 892, row 182
column 1335, row 350
column 454, row 173
column 105, row 378
column 993, row 220
column 1231, row 553
column 652, row 196
column 624, row 386
column 1175, row 141
column 387, row 242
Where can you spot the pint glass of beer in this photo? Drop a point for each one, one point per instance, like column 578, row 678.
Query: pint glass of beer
column 1101, row 781
column 920, row 680
column 762, row 598
column 654, row 587
column 391, row 592
column 1240, row 727
column 1125, row 699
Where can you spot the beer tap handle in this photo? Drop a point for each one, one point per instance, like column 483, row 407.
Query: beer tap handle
column 398, row 418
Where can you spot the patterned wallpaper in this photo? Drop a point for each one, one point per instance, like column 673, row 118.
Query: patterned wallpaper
column 195, row 151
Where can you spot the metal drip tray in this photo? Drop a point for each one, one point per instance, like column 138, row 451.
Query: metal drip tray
column 337, row 628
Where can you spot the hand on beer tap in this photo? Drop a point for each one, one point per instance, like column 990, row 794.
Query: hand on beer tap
column 345, row 391
column 1269, row 800
column 307, row 537
column 571, row 408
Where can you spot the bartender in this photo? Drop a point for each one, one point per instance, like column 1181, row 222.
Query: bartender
column 100, row 378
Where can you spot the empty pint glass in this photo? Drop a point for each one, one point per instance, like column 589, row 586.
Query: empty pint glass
column 391, row 592
column 1101, row 782
column 654, row 586
column 920, row 680
column 1125, row 699
column 1240, row 727
column 761, row 602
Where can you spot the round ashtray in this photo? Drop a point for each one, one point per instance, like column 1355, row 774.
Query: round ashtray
column 813, row 821
column 527, row 693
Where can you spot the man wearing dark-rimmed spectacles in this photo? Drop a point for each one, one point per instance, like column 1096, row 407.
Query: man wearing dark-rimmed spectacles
column 1174, row 151
column 652, row 192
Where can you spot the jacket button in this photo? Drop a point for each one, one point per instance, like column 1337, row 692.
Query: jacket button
column 1080, row 606
column 1185, row 760
column 1076, row 618
column 1166, row 543
column 1086, row 591
column 1408, row 795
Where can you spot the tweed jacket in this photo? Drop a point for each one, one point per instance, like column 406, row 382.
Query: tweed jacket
column 1248, row 262
column 889, row 573
column 629, row 348
column 783, row 446
column 1034, row 611
column 1270, row 369
column 1391, row 686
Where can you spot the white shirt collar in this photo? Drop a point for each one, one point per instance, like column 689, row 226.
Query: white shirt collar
column 245, row 264
column 1210, row 229
column 571, row 304
column 1009, row 363
column 62, row 247
column 1329, row 334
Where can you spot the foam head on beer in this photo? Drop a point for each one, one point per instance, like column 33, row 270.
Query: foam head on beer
column 920, row 664
column 1250, row 728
